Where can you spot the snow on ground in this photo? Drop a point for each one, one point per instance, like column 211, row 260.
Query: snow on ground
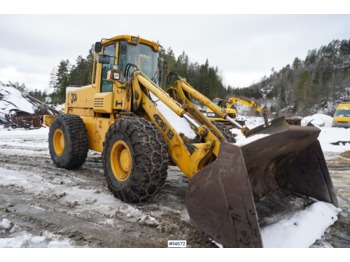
column 333, row 140
column 299, row 230
column 102, row 202
column 320, row 120
column 19, row 238
column 37, row 138
column 302, row 228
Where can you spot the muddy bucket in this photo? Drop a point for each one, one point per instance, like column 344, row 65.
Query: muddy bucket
column 221, row 199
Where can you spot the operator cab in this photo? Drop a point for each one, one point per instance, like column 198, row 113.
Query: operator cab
column 122, row 55
column 220, row 102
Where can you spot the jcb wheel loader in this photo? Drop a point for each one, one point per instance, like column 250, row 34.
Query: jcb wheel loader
column 119, row 115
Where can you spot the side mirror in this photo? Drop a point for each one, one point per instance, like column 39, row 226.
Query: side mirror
column 98, row 47
column 103, row 59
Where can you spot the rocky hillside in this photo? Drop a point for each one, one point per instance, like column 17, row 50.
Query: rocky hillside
column 315, row 84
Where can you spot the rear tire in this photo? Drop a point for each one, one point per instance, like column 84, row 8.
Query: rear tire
column 225, row 131
column 68, row 141
column 135, row 159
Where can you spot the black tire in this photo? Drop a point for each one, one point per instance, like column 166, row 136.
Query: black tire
column 140, row 177
column 68, row 141
column 225, row 131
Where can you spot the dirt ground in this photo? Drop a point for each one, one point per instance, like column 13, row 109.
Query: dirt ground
column 38, row 197
column 78, row 205
column 339, row 167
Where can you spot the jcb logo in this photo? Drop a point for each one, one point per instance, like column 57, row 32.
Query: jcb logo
column 160, row 122
column 73, row 98
column 163, row 126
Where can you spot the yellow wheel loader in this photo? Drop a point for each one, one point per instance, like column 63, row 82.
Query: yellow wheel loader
column 119, row 115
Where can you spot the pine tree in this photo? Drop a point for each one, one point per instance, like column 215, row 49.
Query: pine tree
column 303, row 88
column 282, row 102
column 62, row 76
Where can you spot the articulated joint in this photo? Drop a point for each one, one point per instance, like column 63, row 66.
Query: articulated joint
column 202, row 131
column 209, row 145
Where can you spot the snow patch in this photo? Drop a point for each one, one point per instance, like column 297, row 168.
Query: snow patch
column 13, row 236
column 332, row 139
column 320, row 120
column 24, row 239
column 149, row 220
column 302, row 228
column 13, row 99
column 5, row 224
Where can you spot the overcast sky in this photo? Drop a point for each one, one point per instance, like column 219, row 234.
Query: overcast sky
column 244, row 47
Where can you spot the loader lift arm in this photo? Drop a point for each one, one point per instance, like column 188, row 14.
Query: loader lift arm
column 204, row 152
column 212, row 152
column 182, row 92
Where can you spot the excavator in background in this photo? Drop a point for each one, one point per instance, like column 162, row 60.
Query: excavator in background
column 231, row 112
column 229, row 106
column 121, row 115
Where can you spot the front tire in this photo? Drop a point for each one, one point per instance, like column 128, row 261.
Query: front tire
column 135, row 159
column 68, row 141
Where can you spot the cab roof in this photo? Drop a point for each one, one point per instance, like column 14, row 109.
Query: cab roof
column 133, row 40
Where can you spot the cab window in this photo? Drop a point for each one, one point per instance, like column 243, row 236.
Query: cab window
column 107, row 86
column 140, row 55
column 342, row 113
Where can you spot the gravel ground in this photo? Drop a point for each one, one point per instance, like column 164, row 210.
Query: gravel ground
column 44, row 206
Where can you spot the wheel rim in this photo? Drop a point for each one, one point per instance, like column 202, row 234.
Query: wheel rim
column 58, row 142
column 121, row 160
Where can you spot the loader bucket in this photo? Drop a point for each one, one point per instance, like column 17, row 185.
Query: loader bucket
column 274, row 126
column 222, row 198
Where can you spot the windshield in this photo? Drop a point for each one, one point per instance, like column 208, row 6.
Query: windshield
column 342, row 113
column 142, row 56
column 219, row 102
